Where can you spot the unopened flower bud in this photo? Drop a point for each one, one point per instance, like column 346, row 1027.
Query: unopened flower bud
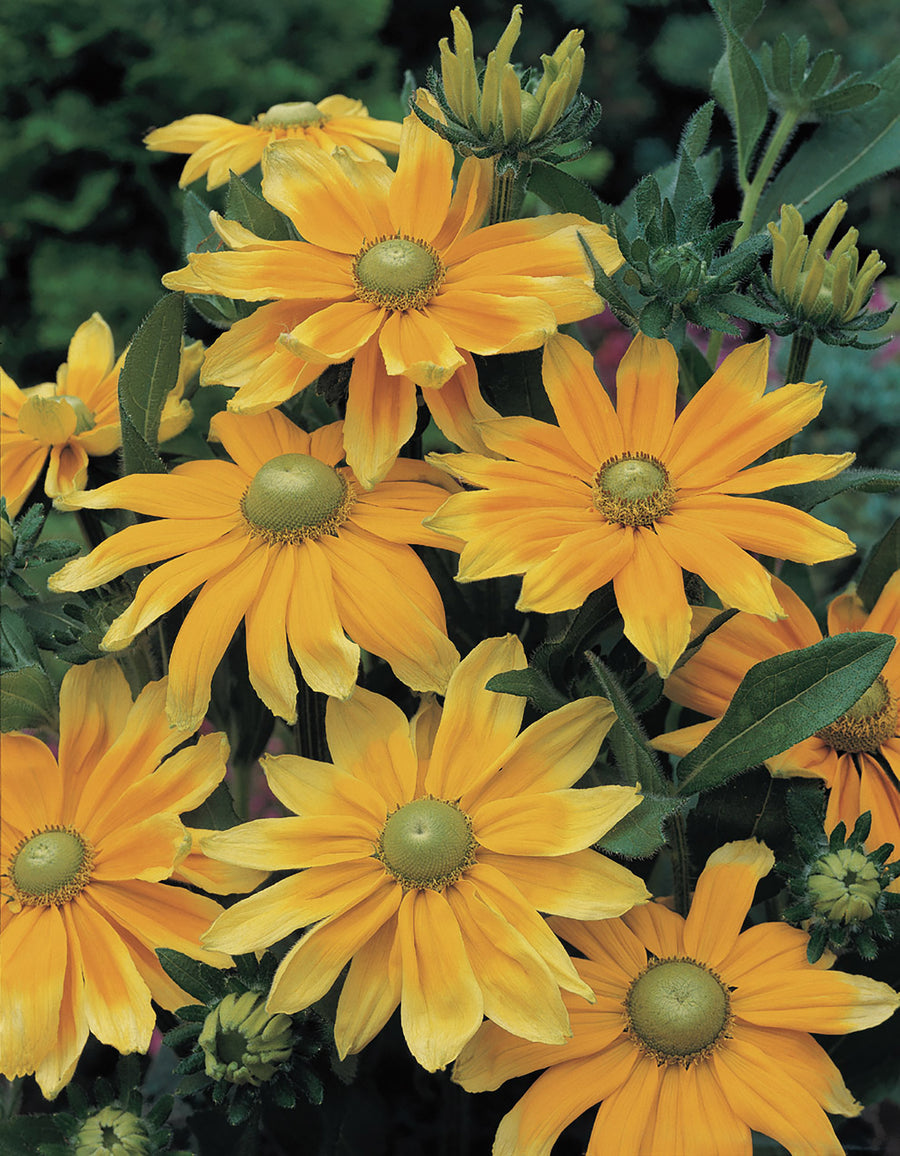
column 844, row 886
column 112, row 1132
column 243, row 1043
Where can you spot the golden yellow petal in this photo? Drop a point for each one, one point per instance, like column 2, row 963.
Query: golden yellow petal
column 380, row 418
column 489, row 322
column 477, row 725
column 371, row 991
column 415, row 343
column 368, row 735
column 33, row 784
column 582, row 562
column 659, row 626
column 552, row 823
column 582, row 406
column 289, row 844
column 419, row 198
column 268, row 664
column 723, row 896
column 441, row 1004
column 646, row 384
column 308, row 787
column 335, row 333
column 211, row 875
column 94, row 704
column 33, row 955
column 313, row 964
column 328, row 660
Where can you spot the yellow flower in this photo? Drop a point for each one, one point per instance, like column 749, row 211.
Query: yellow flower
column 634, row 496
column 699, row 1032
column 217, row 145
column 88, row 843
column 850, row 754
column 396, row 274
column 429, row 849
column 283, row 538
column 63, row 423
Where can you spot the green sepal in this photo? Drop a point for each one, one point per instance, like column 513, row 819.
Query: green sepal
column 782, row 701
column 883, row 560
column 149, row 373
column 28, row 698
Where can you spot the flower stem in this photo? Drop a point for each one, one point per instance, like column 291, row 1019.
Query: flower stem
column 752, row 192
column 503, row 195
column 798, row 359
column 680, row 863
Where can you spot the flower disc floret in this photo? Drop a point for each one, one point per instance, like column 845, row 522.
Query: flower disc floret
column 427, row 843
column 398, row 273
column 678, row 1010
column 51, row 867
column 298, row 112
column 633, row 489
column 869, row 723
column 294, row 497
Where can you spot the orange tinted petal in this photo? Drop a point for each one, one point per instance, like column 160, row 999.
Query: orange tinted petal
column 419, row 197
column 380, row 418
column 415, row 344
column 646, row 384
column 33, row 954
column 659, row 626
column 582, row 406
column 581, row 563
column 328, row 659
column 723, row 897
column 486, row 322
column 335, row 333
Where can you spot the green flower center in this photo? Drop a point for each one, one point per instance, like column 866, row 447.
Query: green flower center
column 398, row 273
column 300, row 112
column 844, row 886
column 294, row 497
column 112, row 1132
column 633, row 490
column 427, row 844
column 871, row 721
column 678, row 1010
column 51, row 867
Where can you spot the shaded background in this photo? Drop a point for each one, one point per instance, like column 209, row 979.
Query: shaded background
column 91, row 219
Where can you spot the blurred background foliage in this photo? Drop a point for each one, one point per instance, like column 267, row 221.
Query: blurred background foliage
column 92, row 220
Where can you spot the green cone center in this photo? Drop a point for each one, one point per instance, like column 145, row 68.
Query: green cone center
column 677, row 1009
column 298, row 112
column 427, row 843
column 398, row 273
column 51, row 866
column 633, row 490
column 868, row 723
column 295, row 496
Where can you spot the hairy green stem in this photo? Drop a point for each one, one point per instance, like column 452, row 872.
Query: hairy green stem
column 680, row 863
column 503, row 193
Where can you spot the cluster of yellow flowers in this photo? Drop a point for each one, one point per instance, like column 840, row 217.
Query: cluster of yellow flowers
column 428, row 853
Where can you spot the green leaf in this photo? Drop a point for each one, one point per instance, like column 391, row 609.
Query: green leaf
column 28, row 1135
column 843, row 153
column 198, row 235
column 562, row 192
column 881, row 563
column 694, row 645
column 738, row 86
column 782, row 701
column 808, row 495
column 249, row 209
column 637, row 761
column 529, row 683
column 640, row 833
column 149, row 373
column 27, row 699
column 204, row 983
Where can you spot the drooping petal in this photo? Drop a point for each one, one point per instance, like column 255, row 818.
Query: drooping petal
column 33, row 955
column 116, row 999
column 627, row 1112
column 268, row 664
column 415, row 344
column 769, row 1099
column 371, row 991
column 558, row 1098
column 336, row 332
column 723, row 897
column 380, row 418
column 313, row 964
column 458, row 406
column 204, row 635
column 58, row 1065
column 581, row 563
column 659, row 625
column 518, row 990
column 441, row 1003
column 475, row 719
